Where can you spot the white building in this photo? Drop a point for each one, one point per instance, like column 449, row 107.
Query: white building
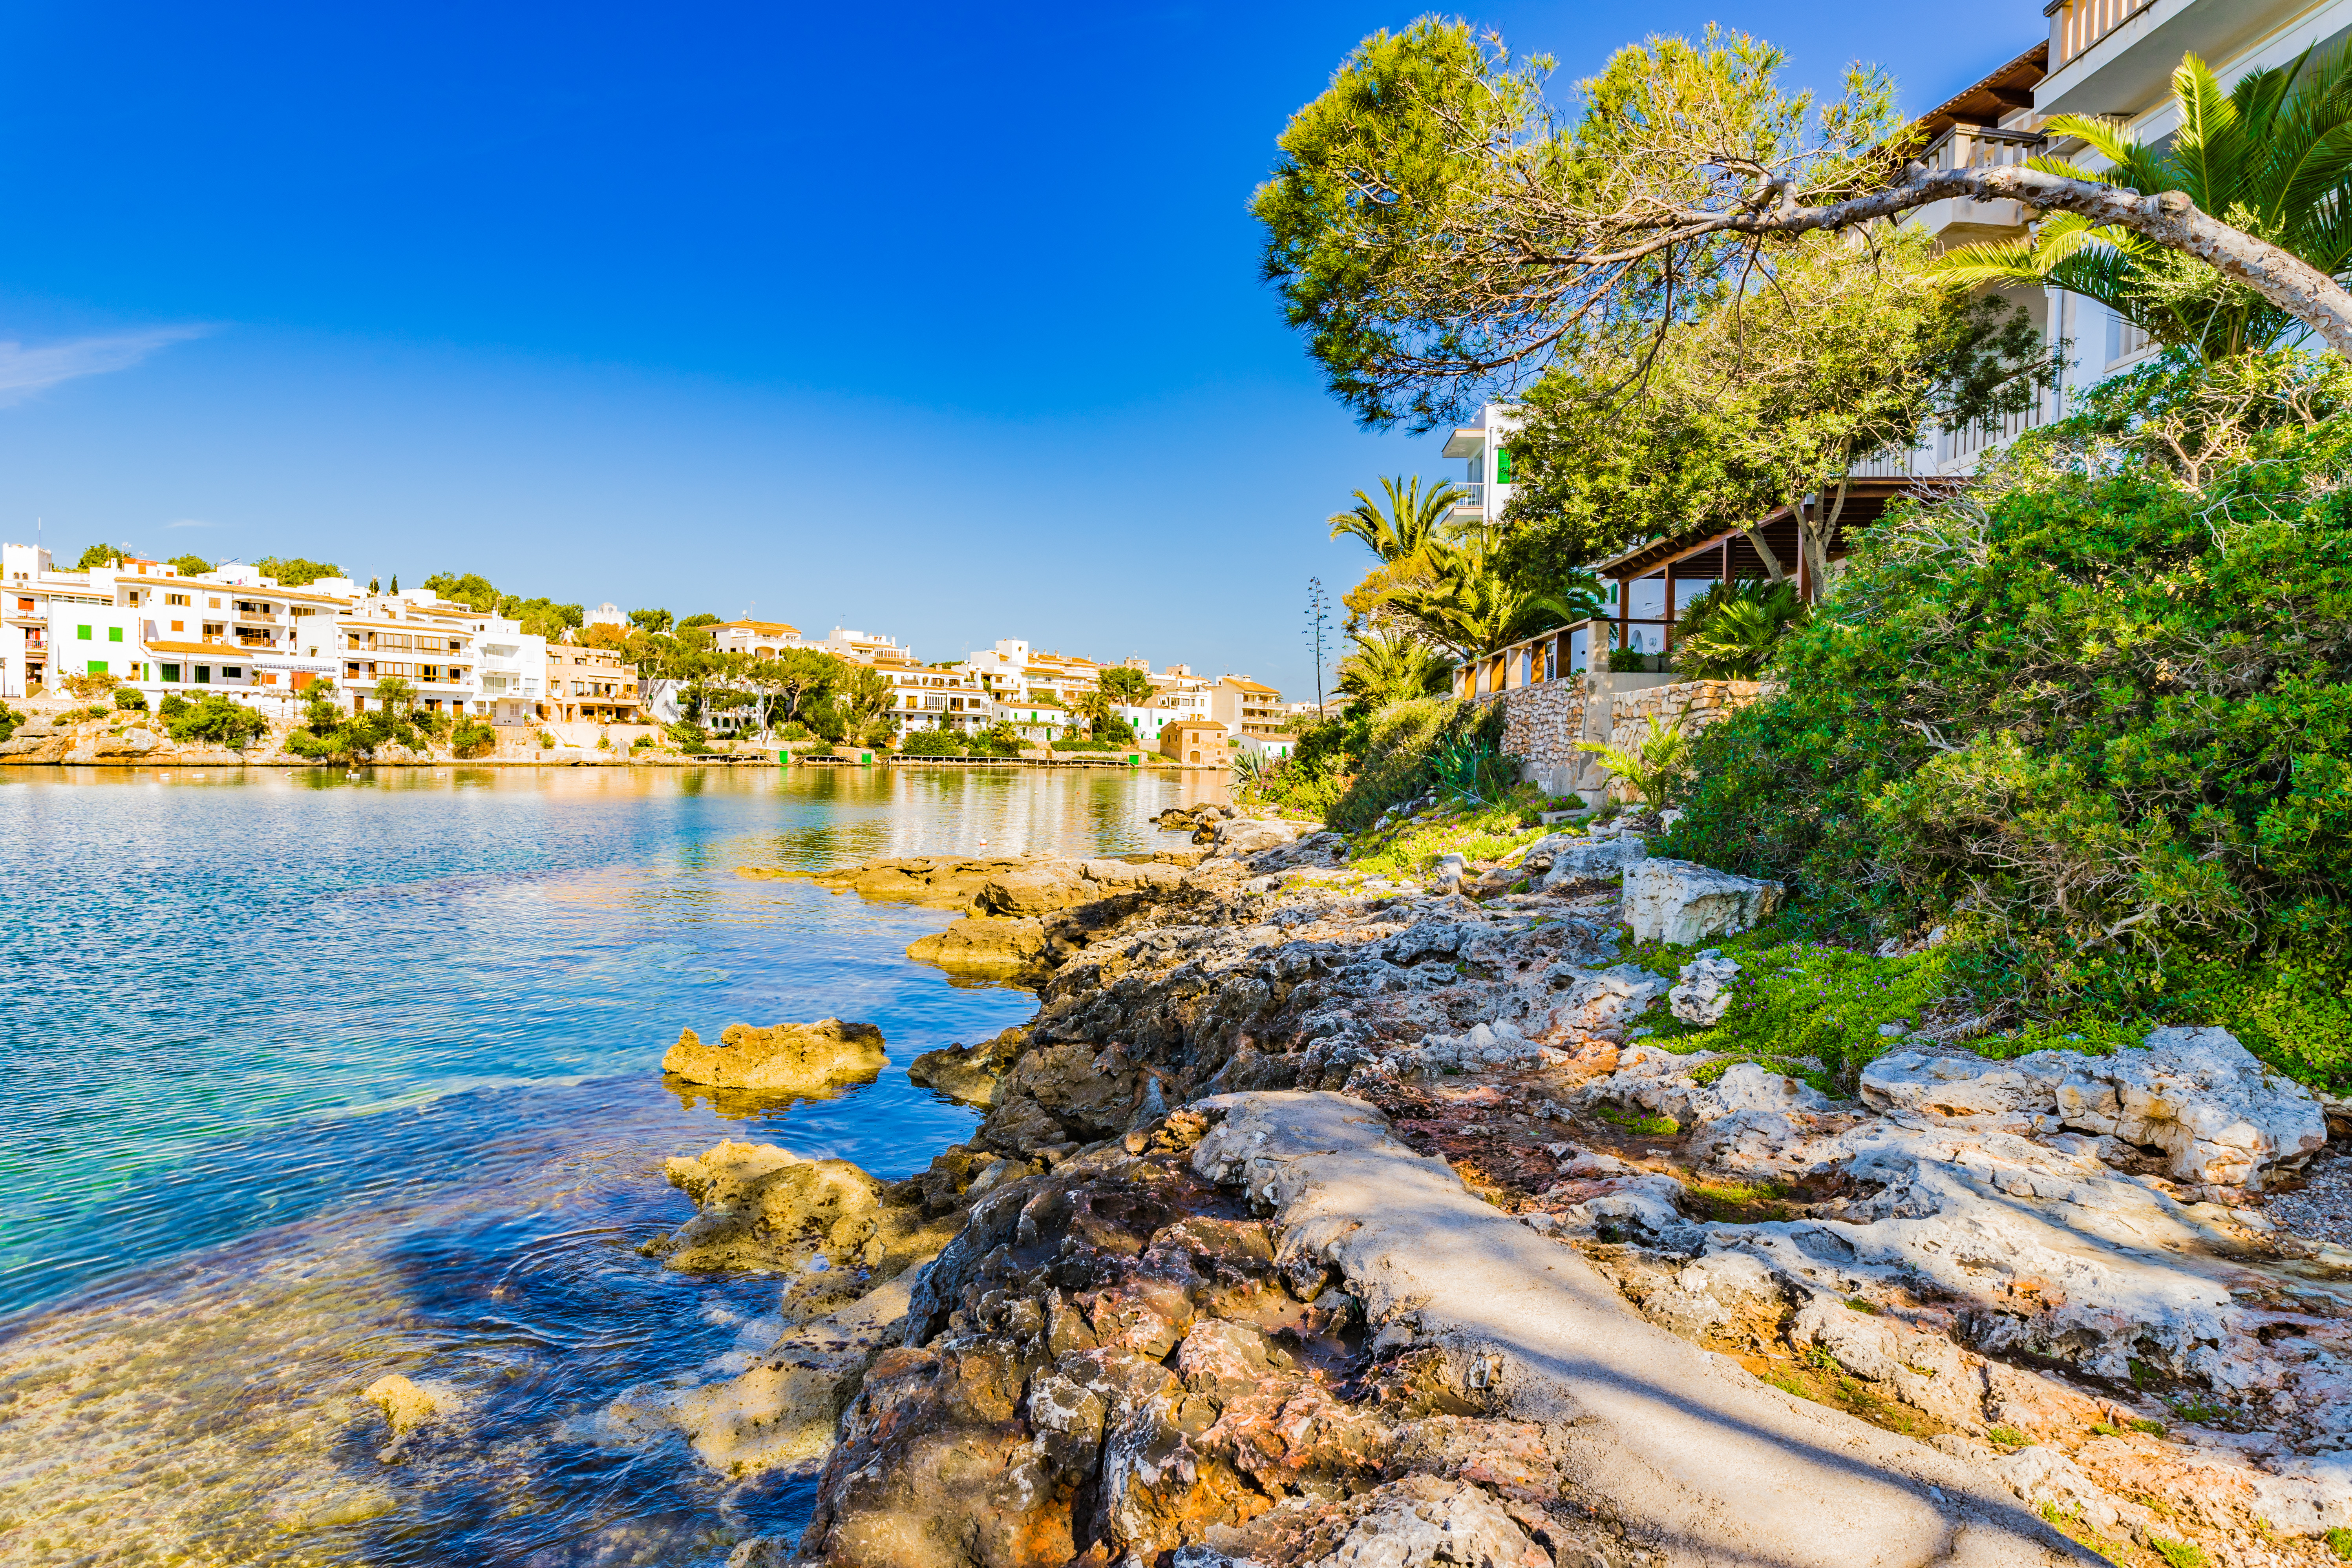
column 607, row 615
column 1483, row 449
column 511, row 670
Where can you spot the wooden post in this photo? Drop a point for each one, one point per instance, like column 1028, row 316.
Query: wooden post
column 1670, row 610
column 1624, row 609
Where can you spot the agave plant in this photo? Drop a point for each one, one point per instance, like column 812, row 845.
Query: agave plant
column 2272, row 156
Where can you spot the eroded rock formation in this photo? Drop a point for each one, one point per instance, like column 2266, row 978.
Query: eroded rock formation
column 789, row 1058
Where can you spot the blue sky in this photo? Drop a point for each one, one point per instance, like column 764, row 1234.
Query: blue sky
column 936, row 321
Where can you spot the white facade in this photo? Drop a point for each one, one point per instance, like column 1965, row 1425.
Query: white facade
column 1484, row 448
column 512, row 670
column 607, row 615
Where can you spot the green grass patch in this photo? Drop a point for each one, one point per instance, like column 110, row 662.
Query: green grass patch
column 2180, row 1554
column 2007, row 1436
column 2339, row 1542
column 1634, row 1122
column 1414, row 847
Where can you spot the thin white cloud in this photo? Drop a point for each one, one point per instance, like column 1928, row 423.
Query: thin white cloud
column 24, row 371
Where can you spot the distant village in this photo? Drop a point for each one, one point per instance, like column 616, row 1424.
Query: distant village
column 584, row 677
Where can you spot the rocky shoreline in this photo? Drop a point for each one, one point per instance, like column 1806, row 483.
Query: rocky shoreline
column 1320, row 1221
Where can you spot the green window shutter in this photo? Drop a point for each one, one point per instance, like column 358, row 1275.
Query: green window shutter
column 82, row 633
column 98, row 667
column 114, row 633
column 171, row 673
column 1502, row 465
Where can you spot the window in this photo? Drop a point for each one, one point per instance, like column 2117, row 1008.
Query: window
column 231, row 672
column 98, row 667
column 212, row 604
column 179, row 625
column 170, row 671
column 114, row 633
column 82, row 633
column 175, row 599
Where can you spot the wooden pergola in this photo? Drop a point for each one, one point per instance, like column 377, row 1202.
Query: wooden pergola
column 1728, row 555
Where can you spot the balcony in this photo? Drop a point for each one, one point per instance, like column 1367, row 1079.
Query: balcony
column 256, row 617
column 2076, row 25
column 1469, row 501
column 1959, row 220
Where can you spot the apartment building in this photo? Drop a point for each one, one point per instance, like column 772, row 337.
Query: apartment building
column 512, row 670
column 1248, row 707
column 936, row 696
column 865, row 648
column 230, row 632
column 761, row 639
column 1483, row 449
column 592, row 685
column 432, row 645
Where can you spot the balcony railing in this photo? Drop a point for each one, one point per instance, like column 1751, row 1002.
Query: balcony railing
column 1986, row 434
column 2077, row 24
column 1470, row 498
column 1980, row 147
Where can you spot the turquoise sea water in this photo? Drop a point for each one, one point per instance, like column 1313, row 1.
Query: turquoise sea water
column 318, row 1078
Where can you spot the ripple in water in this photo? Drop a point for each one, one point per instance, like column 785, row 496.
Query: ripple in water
column 322, row 1080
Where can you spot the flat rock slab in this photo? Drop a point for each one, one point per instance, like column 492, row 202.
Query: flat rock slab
column 1696, row 1459
column 789, row 1058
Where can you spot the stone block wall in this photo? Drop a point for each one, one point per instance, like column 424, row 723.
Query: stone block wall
column 1543, row 723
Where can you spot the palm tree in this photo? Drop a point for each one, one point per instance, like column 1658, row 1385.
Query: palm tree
column 2272, row 156
column 1391, row 664
column 1410, row 521
column 1460, row 601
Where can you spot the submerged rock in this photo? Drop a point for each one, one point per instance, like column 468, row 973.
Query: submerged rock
column 967, row 1073
column 782, row 1411
column 789, row 1058
column 768, row 1209
column 406, row 1406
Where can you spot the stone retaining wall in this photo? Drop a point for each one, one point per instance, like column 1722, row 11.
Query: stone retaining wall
column 1543, row 723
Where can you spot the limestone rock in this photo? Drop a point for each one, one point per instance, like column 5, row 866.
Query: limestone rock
column 782, row 1411
column 406, row 1406
column 983, row 944
column 1683, row 902
column 2218, row 1116
column 1423, row 1522
column 967, row 1073
column 767, row 1209
column 1701, row 992
column 1248, row 835
column 1586, row 859
column 1747, row 1087
column 1605, row 1001
column 789, row 1058
column 937, row 881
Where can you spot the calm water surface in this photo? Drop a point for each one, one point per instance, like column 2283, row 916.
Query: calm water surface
column 318, row 1078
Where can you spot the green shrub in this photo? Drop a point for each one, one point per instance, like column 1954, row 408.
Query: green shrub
column 471, row 737
column 219, row 721
column 131, row 699
column 2097, row 714
column 1729, row 632
column 1395, row 757
column 932, row 743
column 1630, row 661
column 793, row 730
column 686, row 735
column 173, row 706
column 9, row 719
column 547, row 743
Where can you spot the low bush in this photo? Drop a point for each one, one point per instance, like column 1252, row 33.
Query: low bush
column 933, row 743
column 218, row 721
column 472, row 738
column 173, row 706
column 2095, row 714
column 131, row 699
